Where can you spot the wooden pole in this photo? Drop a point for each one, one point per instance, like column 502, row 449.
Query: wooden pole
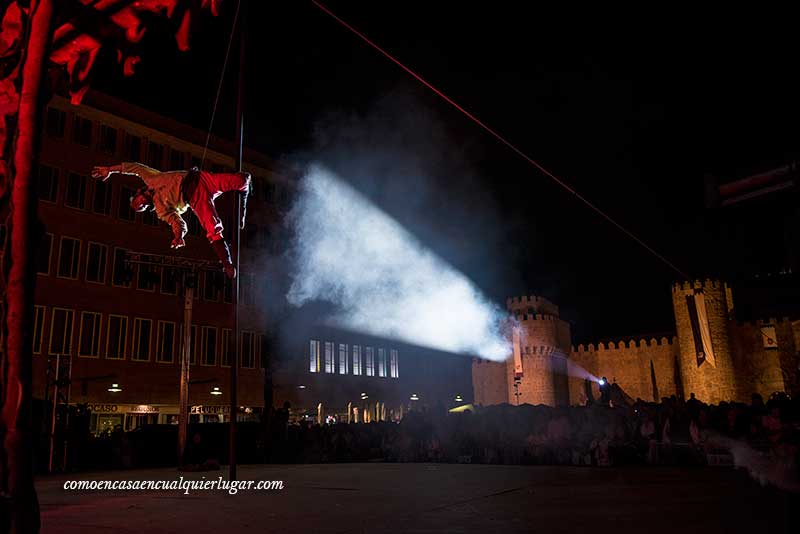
column 238, row 248
column 183, row 415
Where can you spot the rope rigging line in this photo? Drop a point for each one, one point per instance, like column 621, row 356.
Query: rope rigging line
column 219, row 86
column 502, row 139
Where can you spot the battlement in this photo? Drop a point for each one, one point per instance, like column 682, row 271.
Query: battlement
column 708, row 283
column 539, row 305
column 630, row 344
column 764, row 322
column 523, row 318
column 542, row 350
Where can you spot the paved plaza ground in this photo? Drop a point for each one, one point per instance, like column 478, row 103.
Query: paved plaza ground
column 421, row 498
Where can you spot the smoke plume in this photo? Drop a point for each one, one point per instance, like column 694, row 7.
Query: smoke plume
column 380, row 279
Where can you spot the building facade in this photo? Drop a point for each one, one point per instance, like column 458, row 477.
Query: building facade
column 119, row 326
column 748, row 357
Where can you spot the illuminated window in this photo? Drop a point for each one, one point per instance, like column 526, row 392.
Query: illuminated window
column 96, row 263
column 38, row 328
column 313, row 356
column 116, row 337
column 208, row 338
column 69, row 253
column 382, row 362
column 225, row 348
column 330, row 365
column 89, row 343
column 356, row 359
column 394, row 363
column 142, row 330
column 370, row 361
column 343, row 363
column 61, row 331
column 165, row 351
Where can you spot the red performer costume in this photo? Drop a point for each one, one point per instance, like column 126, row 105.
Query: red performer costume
column 171, row 193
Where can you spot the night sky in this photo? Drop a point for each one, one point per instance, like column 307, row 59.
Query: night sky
column 632, row 109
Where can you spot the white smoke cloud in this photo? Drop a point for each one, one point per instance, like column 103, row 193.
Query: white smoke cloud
column 380, row 278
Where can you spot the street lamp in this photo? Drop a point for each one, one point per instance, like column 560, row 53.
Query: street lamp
column 301, row 386
column 216, row 391
column 459, row 399
column 414, row 397
column 364, row 396
column 115, row 388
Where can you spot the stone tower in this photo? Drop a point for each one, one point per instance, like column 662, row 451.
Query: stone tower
column 710, row 381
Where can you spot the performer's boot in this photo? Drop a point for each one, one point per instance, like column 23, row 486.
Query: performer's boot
column 224, row 255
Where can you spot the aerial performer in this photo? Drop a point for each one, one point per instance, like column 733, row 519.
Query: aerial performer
column 171, row 193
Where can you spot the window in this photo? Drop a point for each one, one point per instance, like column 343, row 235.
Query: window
column 155, row 155
column 177, row 159
column 121, row 273
column 356, row 359
column 165, row 348
column 96, row 255
column 81, row 131
column 43, row 254
column 211, row 286
column 343, row 359
column 208, row 337
column 61, row 331
column 370, row 362
column 101, row 199
column 133, row 147
column 48, row 183
column 394, row 362
column 116, row 337
column 107, row 142
column 142, row 330
column 76, row 191
column 54, row 124
column 313, row 354
column 38, row 328
column 329, row 363
column 263, row 351
column 69, row 252
column 148, row 278
column 89, row 344
column 225, row 348
column 169, row 281
column 382, row 362
column 125, row 212
column 193, row 227
column 247, row 356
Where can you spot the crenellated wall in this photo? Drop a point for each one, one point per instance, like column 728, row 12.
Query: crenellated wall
column 629, row 364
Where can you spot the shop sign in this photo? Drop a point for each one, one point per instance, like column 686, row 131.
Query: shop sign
column 103, row 408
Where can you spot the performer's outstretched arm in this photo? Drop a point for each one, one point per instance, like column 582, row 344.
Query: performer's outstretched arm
column 133, row 169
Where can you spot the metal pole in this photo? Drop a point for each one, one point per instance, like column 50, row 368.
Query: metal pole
column 53, row 415
column 239, row 148
column 183, row 410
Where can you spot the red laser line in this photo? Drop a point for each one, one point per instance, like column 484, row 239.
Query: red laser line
column 500, row 138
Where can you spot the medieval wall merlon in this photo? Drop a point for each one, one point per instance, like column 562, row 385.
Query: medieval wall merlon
column 538, row 304
column 708, row 283
column 623, row 344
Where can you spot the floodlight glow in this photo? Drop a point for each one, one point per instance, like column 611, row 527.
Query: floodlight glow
column 381, row 279
column 601, row 382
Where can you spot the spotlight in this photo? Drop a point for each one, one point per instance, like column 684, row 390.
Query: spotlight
column 216, row 391
column 115, row 388
column 601, row 382
column 414, row 397
column 459, row 399
column 301, row 386
column 364, row 396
